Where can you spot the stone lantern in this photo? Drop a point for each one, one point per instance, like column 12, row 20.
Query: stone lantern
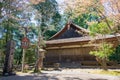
column 41, row 57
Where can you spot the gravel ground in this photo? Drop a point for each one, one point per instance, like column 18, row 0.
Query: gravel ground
column 65, row 74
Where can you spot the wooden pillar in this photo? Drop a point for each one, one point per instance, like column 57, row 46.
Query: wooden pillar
column 59, row 57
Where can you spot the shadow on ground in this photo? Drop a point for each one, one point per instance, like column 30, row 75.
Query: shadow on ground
column 98, row 79
column 37, row 77
column 43, row 76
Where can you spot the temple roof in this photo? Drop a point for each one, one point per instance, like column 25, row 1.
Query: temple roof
column 81, row 39
column 70, row 31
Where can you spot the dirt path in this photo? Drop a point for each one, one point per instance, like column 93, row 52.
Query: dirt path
column 67, row 74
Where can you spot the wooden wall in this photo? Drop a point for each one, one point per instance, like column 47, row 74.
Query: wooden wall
column 69, row 54
column 73, row 51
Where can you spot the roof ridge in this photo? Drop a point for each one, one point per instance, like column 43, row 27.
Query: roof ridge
column 86, row 30
column 66, row 26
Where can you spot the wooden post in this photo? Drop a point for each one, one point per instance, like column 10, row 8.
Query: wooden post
column 24, row 44
column 59, row 57
column 23, row 60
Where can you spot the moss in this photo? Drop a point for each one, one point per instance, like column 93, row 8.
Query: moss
column 114, row 73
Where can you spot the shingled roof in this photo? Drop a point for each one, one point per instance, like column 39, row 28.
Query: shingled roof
column 80, row 39
column 70, row 31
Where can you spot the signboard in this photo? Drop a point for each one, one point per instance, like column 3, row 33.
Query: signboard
column 25, row 43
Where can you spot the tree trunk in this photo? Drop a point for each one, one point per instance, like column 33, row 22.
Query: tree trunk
column 8, row 64
column 39, row 62
column 38, row 65
column 104, row 64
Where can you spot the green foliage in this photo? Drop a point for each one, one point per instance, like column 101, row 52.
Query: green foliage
column 99, row 28
column 84, row 18
column 49, row 19
column 48, row 11
column 2, row 50
column 116, row 55
column 56, row 19
column 30, row 56
column 6, row 25
column 103, row 51
column 49, row 33
column 18, row 56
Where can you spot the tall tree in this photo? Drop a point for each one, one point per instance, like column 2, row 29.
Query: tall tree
column 102, row 50
column 8, row 19
column 15, row 14
column 47, row 10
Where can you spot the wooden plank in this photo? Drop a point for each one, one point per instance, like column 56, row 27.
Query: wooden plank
column 72, row 46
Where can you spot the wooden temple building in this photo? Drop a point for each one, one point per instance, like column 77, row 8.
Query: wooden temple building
column 72, row 44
